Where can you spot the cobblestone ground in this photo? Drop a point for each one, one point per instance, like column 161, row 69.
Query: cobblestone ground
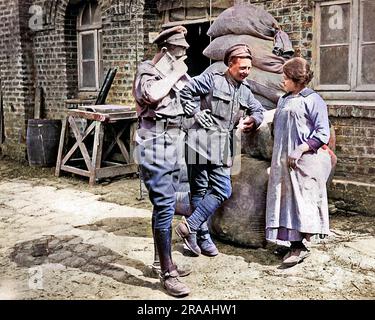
column 61, row 239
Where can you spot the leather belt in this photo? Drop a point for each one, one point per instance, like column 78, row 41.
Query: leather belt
column 168, row 123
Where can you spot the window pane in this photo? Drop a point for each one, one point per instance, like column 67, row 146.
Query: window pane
column 335, row 24
column 88, row 74
column 368, row 64
column 368, row 20
column 334, row 65
column 88, row 46
column 86, row 19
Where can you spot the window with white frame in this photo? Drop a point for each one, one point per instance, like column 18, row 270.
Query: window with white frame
column 345, row 47
column 90, row 62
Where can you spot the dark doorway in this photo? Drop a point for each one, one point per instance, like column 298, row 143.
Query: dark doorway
column 198, row 41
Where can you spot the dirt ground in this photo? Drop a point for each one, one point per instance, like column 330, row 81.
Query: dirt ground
column 61, row 239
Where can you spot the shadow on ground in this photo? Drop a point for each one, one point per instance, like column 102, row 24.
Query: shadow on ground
column 141, row 227
column 71, row 251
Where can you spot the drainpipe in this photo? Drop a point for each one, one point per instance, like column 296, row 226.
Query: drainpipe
column 210, row 24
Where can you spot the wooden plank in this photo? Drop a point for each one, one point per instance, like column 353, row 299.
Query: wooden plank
column 104, row 117
column 61, row 146
column 123, row 150
column 76, row 145
column 113, row 141
column 97, row 146
column 116, row 170
column 133, row 131
column 71, row 169
column 38, row 103
column 120, row 143
column 89, row 115
column 106, row 108
column 81, row 145
column 122, row 116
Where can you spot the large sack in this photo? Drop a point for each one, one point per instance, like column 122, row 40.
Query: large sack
column 260, row 89
column 259, row 144
column 241, row 219
column 266, row 103
column 263, row 58
column 244, row 19
column 216, row 49
column 266, row 84
column 262, row 83
column 268, row 79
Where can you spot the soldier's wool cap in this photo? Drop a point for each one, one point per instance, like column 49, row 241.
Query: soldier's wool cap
column 238, row 50
column 175, row 36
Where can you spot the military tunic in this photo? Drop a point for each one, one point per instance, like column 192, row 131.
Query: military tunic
column 159, row 143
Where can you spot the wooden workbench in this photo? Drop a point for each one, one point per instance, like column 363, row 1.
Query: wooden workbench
column 106, row 127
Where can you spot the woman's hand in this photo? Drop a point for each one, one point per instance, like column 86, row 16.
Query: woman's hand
column 296, row 154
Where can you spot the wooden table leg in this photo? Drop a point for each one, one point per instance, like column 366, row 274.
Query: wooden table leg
column 97, row 150
column 63, row 135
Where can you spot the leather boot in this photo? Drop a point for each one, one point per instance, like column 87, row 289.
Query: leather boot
column 189, row 236
column 155, row 267
column 184, row 270
column 169, row 275
column 205, row 243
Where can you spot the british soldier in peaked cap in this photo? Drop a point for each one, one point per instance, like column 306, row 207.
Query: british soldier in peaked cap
column 160, row 147
column 174, row 36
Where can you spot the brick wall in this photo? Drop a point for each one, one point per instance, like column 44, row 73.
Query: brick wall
column 125, row 43
column 355, row 140
column 296, row 19
column 16, row 73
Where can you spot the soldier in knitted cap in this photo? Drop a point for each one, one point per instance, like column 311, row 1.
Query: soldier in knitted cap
column 222, row 97
column 160, row 143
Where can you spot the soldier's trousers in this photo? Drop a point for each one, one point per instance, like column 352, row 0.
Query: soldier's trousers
column 210, row 186
column 160, row 155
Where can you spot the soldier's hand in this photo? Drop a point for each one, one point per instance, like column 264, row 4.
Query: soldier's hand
column 189, row 107
column 204, row 118
column 179, row 68
column 248, row 124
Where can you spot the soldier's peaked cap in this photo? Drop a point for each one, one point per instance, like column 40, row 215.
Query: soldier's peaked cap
column 240, row 50
column 175, row 36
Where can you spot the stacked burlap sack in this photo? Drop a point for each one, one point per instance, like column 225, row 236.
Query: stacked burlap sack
column 270, row 47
